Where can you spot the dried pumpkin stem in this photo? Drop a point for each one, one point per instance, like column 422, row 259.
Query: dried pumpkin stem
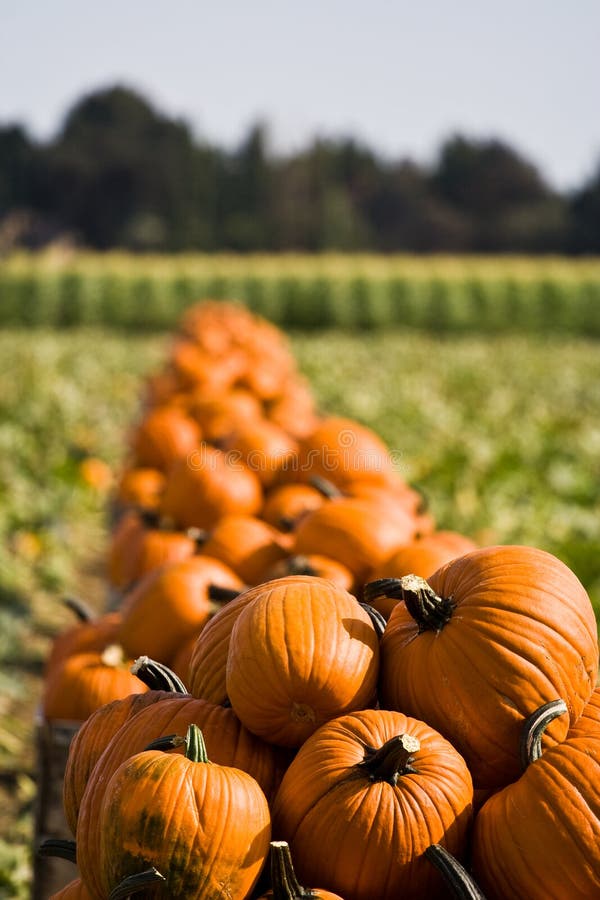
column 300, row 565
column 427, row 609
column 83, row 612
column 534, row 726
column 458, row 881
column 283, row 878
column 222, row 594
column 157, row 676
column 325, row 487
column 376, row 618
column 58, row 847
column 393, row 759
column 134, row 884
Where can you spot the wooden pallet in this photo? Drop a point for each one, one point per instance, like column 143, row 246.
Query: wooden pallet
column 52, row 748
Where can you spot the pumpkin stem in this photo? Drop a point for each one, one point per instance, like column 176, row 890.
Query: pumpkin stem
column 222, row 594
column 167, row 742
column 325, row 487
column 133, row 884
column 58, row 847
column 428, row 610
column 148, row 517
column 460, row 884
column 157, row 676
column 299, row 565
column 284, row 883
column 376, row 618
column 198, row 535
column 394, row 758
column 195, row 748
column 534, row 726
column 83, row 612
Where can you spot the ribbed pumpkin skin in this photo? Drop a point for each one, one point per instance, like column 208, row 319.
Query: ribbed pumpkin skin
column 539, row 838
column 522, row 633
column 205, row 827
column 301, row 654
column 74, row 890
column 228, row 743
column 170, row 604
column 364, row 839
column 91, row 740
column 209, row 658
column 589, row 720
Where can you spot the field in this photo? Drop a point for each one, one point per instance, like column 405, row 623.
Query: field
column 501, row 433
column 440, row 295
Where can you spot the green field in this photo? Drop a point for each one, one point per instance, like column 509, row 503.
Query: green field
column 501, row 433
column 435, row 294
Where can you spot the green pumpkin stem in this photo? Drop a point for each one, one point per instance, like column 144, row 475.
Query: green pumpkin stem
column 534, row 726
column 428, row 610
column 157, row 676
column 458, row 881
column 58, row 847
column 284, row 883
column 393, row 759
column 325, row 487
column 195, row 748
column 134, row 884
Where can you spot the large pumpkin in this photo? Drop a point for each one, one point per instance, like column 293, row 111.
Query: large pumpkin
column 301, row 653
column 205, row 827
column 495, row 634
column 540, row 837
column 364, row 798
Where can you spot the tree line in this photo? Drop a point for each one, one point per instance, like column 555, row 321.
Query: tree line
column 120, row 173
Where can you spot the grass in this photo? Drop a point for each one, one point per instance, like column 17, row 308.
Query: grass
column 502, row 435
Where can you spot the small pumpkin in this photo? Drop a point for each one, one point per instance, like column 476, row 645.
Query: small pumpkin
column 140, row 487
column 164, row 435
column 247, row 545
column 205, row 827
column 140, row 544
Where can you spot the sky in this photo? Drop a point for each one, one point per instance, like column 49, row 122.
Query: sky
column 398, row 76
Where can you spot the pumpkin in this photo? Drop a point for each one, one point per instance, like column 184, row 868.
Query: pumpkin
column 540, row 837
column 345, row 453
column 293, row 409
column 170, row 605
column 265, row 448
column 301, row 653
column 220, row 416
column 495, row 633
column 247, row 545
column 228, row 742
column 353, row 532
column 205, row 827
column 312, row 564
column 286, row 504
column 88, row 635
column 195, row 368
column 164, row 435
column 589, row 720
column 85, row 681
column 140, row 545
column 363, row 799
column 140, row 487
column 201, row 490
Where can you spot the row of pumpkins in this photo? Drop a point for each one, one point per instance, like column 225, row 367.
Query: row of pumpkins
column 279, row 698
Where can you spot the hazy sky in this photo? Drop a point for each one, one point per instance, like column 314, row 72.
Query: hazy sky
column 401, row 76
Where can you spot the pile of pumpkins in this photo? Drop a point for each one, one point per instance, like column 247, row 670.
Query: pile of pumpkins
column 301, row 681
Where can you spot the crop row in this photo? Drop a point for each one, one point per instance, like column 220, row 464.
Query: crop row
column 484, row 299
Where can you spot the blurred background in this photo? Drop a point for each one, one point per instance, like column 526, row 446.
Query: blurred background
column 412, row 191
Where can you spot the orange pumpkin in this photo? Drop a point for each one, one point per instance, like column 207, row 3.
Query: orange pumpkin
column 247, row 545
column 286, row 504
column 164, row 435
column 301, row 653
column 264, row 448
column 313, row 564
column 363, row 799
column 140, row 487
column 160, row 810
column 494, row 634
column 201, row 490
column 137, row 548
column 170, row 605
